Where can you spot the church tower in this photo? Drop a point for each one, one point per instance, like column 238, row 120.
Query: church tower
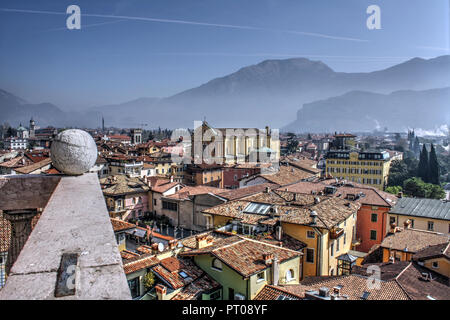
column 32, row 127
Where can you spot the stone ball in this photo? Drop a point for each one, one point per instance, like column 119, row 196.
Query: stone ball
column 73, row 152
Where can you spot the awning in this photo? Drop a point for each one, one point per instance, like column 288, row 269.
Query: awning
column 347, row 257
column 137, row 232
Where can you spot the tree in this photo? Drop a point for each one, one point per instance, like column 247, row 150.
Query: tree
column 398, row 173
column 149, row 280
column 416, row 147
column 433, row 167
column 423, row 170
column 415, row 187
column 394, row 189
column 435, row 191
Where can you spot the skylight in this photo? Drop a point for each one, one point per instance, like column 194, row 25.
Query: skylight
column 183, row 274
column 282, row 297
column 257, row 208
column 365, row 295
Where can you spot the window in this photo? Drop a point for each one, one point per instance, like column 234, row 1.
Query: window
column 332, row 249
column 430, row 225
column 345, row 238
column 435, row 264
column 134, row 287
column 230, row 294
column 337, row 245
column 373, row 235
column 310, row 234
column 310, row 255
column 215, row 295
column 261, row 276
column 216, row 264
column 289, row 275
column 412, row 223
column 391, row 220
column 170, row 205
column 374, row 217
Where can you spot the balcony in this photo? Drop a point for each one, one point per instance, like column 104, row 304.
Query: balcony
column 71, row 253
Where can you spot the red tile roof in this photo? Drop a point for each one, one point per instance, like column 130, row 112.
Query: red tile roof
column 143, row 262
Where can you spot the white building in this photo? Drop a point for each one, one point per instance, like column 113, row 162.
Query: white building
column 16, row 143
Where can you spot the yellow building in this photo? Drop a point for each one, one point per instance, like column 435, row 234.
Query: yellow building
column 423, row 214
column 367, row 168
column 236, row 145
column 325, row 225
column 436, row 258
column 401, row 244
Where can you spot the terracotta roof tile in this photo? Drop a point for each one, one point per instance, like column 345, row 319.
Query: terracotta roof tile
column 193, row 290
column 353, row 286
column 171, row 271
column 413, row 240
column 269, row 292
column 120, row 225
column 143, row 262
column 243, row 255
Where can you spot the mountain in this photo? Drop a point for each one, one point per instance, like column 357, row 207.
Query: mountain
column 365, row 111
column 268, row 93
column 15, row 110
column 129, row 114
column 272, row 91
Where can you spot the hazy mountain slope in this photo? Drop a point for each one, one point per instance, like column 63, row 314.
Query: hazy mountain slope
column 366, row 111
column 272, row 91
column 268, row 93
column 15, row 110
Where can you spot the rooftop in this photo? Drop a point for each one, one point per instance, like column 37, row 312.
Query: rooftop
column 413, row 240
column 427, row 208
column 243, row 255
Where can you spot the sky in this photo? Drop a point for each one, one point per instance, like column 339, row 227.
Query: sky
column 127, row 49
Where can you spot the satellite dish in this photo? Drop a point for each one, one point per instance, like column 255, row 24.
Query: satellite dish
column 160, row 247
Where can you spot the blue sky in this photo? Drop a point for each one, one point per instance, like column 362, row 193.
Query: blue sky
column 156, row 48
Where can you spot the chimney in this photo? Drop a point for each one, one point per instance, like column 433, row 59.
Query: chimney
column 391, row 259
column 172, row 244
column 316, row 200
column 279, row 233
column 313, row 216
column 393, row 227
column 171, row 178
column 275, row 271
column 267, row 189
column 407, row 224
column 155, row 248
column 268, row 258
column 324, row 292
column 202, row 241
column 161, row 291
column 337, row 291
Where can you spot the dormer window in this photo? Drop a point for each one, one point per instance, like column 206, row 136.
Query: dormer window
column 216, row 264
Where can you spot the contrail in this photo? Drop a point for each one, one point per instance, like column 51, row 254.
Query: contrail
column 86, row 25
column 229, row 26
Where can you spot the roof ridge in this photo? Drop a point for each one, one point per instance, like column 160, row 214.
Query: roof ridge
column 398, row 276
column 269, row 244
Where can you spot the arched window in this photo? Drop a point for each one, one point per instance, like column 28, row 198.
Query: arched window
column 289, row 275
column 217, row 264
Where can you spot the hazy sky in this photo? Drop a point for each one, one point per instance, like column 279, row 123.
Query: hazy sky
column 154, row 48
